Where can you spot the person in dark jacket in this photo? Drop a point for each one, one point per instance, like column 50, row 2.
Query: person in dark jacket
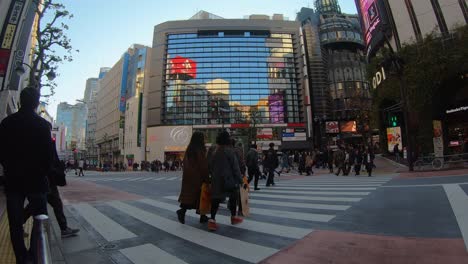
column 369, row 161
column 195, row 173
column 359, row 158
column 226, row 179
column 56, row 176
column 271, row 163
column 252, row 165
column 25, row 137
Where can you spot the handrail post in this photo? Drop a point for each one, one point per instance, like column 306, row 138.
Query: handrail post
column 40, row 237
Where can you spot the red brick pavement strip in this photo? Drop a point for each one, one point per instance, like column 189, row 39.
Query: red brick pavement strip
column 331, row 247
column 418, row 174
column 81, row 191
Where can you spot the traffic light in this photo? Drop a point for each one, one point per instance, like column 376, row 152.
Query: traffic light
column 214, row 106
column 393, row 120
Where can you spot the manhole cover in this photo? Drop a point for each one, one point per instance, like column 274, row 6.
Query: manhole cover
column 109, row 246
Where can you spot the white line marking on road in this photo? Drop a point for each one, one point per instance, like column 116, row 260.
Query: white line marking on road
column 313, row 192
column 136, row 179
column 459, row 202
column 158, row 179
column 292, row 215
column 262, row 227
column 147, row 179
column 281, row 184
column 323, row 188
column 309, row 198
column 105, row 226
column 123, row 179
column 171, row 178
column 148, row 254
column 226, row 245
column 301, row 205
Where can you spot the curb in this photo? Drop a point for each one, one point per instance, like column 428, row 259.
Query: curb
column 394, row 162
column 55, row 238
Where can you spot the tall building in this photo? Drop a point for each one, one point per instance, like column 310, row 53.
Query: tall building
column 120, row 92
column 17, row 19
column 208, row 73
column 90, row 98
column 337, row 72
column 395, row 23
column 90, row 90
column 73, row 117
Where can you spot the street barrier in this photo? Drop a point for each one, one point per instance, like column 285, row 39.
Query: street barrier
column 40, row 237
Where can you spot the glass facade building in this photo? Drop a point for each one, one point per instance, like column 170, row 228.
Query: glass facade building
column 242, row 74
column 222, row 76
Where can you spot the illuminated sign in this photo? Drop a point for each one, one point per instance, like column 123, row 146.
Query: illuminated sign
column 459, row 109
column 378, row 78
column 370, row 17
column 183, row 68
column 332, row 127
column 276, row 107
column 348, row 126
column 393, row 138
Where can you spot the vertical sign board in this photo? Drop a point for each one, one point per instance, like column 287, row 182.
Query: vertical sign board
column 21, row 46
column 374, row 22
column 7, row 36
column 438, row 138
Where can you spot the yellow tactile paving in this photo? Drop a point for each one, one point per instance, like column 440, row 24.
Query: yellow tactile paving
column 6, row 251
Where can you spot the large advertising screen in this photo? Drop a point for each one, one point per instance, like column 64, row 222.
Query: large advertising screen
column 373, row 19
column 332, row 127
column 276, row 107
column 393, row 138
column 348, row 126
column 183, row 68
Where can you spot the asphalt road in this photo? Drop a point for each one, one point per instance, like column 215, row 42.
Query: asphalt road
column 130, row 217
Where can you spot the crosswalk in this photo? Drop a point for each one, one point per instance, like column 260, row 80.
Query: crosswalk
column 132, row 179
column 147, row 229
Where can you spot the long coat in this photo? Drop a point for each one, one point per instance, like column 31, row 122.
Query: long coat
column 194, row 174
column 223, row 164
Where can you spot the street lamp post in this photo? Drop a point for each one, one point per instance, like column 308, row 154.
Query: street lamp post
column 35, row 81
column 397, row 64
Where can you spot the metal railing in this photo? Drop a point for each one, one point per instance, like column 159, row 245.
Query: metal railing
column 437, row 163
column 40, row 239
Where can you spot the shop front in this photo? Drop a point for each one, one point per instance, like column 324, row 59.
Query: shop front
column 456, row 128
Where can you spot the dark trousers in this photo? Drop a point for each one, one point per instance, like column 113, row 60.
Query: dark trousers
column 254, row 172
column 15, row 210
column 369, row 167
column 271, row 176
column 81, row 172
column 341, row 168
column 53, row 198
column 232, row 205
column 357, row 168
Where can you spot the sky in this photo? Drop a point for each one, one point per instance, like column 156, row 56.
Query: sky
column 102, row 30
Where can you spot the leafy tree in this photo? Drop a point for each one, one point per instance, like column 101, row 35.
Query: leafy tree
column 51, row 34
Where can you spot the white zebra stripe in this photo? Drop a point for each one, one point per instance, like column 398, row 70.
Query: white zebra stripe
column 308, row 198
column 148, row 253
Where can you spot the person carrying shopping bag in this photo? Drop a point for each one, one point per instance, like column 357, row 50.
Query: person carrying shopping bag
column 195, row 173
column 226, row 179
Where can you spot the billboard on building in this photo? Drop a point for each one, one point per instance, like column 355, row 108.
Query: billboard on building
column 374, row 21
column 183, row 68
column 393, row 138
column 348, row 126
column 276, row 108
column 332, row 127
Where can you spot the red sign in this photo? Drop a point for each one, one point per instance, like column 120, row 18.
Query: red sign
column 183, row 67
column 4, row 57
column 332, row 127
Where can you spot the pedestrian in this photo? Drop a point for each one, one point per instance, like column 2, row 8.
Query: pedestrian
column 55, row 177
column 252, row 166
column 285, row 162
column 396, row 152
column 194, row 174
column 238, row 150
column 339, row 158
column 80, row 168
column 225, row 179
column 330, row 159
column 359, row 158
column 309, row 163
column 25, row 136
column 271, row 163
column 369, row 161
column 302, row 161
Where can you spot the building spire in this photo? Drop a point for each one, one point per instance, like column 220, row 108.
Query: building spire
column 327, row 7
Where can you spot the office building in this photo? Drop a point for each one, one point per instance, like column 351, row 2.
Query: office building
column 73, row 117
column 208, row 73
